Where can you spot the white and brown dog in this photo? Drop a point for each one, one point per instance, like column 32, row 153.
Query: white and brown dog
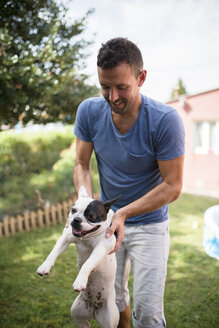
column 89, row 220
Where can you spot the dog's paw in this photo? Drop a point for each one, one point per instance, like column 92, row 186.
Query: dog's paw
column 80, row 283
column 44, row 268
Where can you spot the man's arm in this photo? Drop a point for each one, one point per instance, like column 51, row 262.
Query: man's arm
column 82, row 172
column 169, row 190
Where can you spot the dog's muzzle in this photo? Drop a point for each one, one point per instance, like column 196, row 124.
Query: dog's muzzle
column 77, row 229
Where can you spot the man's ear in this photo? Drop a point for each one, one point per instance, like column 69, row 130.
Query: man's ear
column 108, row 203
column 142, row 77
column 82, row 192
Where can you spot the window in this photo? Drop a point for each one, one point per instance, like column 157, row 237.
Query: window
column 206, row 137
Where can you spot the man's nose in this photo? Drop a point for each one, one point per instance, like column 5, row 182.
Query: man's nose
column 113, row 95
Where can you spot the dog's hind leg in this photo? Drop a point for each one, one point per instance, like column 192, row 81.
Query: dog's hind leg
column 81, row 311
column 108, row 315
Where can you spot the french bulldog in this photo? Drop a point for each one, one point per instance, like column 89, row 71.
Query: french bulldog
column 88, row 222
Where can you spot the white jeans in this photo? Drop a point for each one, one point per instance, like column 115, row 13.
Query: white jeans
column 147, row 247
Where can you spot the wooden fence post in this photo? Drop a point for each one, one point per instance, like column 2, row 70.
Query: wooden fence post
column 26, row 221
column 65, row 210
column 70, row 204
column 40, row 218
column 53, row 212
column 59, row 211
column 6, row 227
column 33, row 220
column 12, row 223
column 47, row 216
column 20, row 223
column 1, row 230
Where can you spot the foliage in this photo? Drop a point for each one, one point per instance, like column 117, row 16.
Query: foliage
column 191, row 297
column 37, row 169
column 27, row 170
column 178, row 90
column 40, row 54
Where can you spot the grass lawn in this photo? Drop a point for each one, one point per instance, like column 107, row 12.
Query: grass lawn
column 29, row 301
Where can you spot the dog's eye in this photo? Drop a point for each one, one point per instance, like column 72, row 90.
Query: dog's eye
column 92, row 217
column 73, row 211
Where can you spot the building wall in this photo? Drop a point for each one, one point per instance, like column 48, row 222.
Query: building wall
column 201, row 170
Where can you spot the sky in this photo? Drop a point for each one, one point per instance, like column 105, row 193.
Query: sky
column 177, row 38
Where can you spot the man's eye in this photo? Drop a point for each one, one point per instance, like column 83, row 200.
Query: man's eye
column 73, row 211
column 122, row 87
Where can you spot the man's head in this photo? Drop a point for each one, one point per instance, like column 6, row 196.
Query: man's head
column 117, row 51
column 121, row 74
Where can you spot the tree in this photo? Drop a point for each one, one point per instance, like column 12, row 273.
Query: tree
column 40, row 54
column 178, row 90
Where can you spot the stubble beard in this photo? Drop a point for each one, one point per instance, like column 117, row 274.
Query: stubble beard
column 120, row 110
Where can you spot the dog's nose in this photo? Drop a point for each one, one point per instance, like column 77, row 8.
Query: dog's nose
column 76, row 222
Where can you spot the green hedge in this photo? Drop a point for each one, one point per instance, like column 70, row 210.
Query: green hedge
column 33, row 163
column 25, row 154
column 36, row 168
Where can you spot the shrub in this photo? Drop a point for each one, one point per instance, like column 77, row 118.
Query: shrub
column 25, row 154
column 26, row 169
column 37, row 169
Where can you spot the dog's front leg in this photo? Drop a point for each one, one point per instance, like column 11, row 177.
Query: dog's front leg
column 99, row 252
column 60, row 246
column 93, row 260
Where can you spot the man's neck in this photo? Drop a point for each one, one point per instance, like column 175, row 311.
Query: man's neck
column 124, row 122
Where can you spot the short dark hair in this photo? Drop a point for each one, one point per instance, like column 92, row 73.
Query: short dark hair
column 117, row 51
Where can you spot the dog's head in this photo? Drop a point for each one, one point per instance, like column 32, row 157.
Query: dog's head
column 88, row 216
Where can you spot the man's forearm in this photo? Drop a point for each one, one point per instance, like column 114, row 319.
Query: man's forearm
column 82, row 176
column 154, row 199
column 164, row 193
column 159, row 196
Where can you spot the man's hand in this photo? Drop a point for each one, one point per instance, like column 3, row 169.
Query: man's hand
column 117, row 227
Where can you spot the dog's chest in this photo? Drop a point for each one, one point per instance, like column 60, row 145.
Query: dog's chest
column 104, row 271
column 84, row 249
column 105, row 266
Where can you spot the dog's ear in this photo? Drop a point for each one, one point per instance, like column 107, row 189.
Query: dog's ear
column 108, row 203
column 82, row 192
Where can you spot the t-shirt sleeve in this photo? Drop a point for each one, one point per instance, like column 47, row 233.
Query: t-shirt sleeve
column 81, row 128
column 170, row 138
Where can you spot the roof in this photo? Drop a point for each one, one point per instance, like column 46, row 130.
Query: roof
column 190, row 96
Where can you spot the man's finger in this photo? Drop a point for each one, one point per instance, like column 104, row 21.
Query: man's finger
column 119, row 239
column 117, row 245
column 110, row 232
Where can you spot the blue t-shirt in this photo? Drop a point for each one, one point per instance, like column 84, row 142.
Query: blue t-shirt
column 127, row 163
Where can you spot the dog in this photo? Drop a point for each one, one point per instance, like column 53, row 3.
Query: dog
column 88, row 222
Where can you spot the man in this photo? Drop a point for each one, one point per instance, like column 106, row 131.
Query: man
column 139, row 147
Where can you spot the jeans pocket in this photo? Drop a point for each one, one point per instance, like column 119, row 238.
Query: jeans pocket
column 162, row 230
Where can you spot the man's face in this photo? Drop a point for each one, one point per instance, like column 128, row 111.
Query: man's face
column 120, row 87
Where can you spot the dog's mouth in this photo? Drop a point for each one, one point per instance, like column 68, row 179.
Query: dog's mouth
column 82, row 233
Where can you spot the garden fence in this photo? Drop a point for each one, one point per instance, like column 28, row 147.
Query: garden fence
column 33, row 220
